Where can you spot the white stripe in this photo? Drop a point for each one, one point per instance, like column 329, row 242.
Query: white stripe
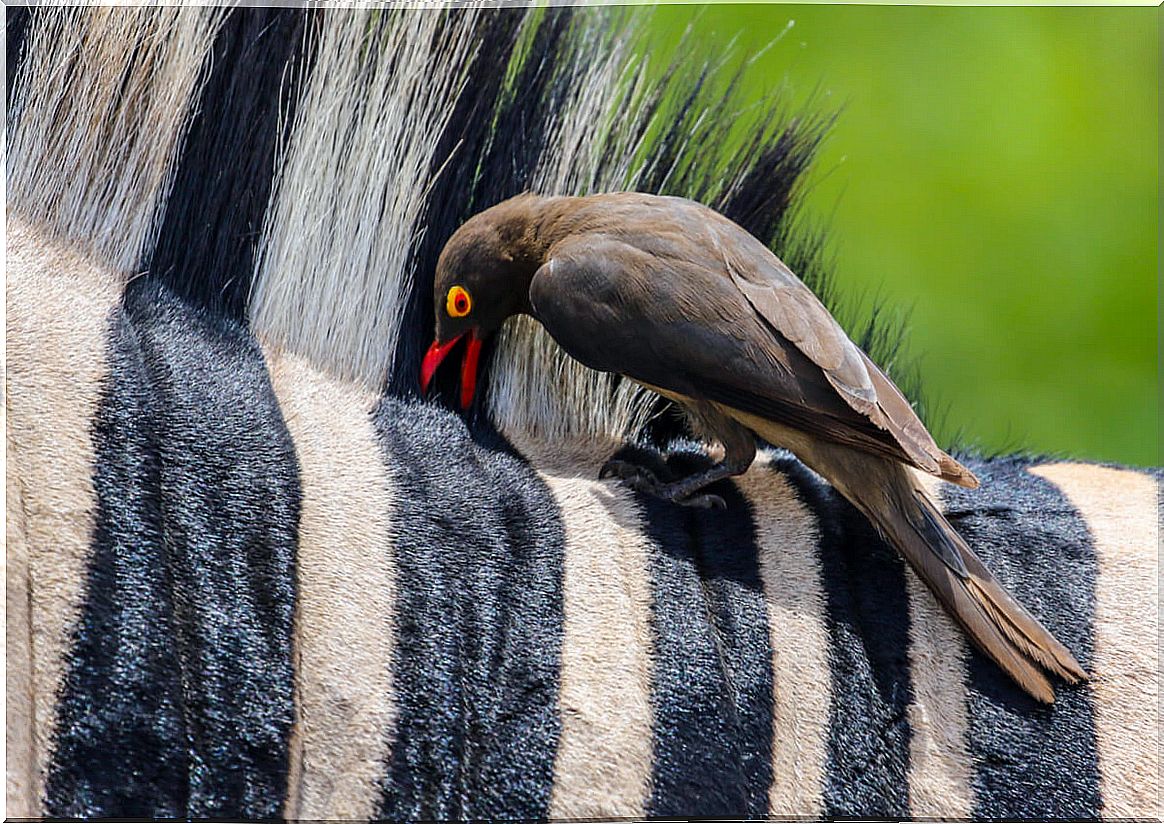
column 605, row 756
column 940, row 771
column 19, row 693
column 1121, row 511
column 346, row 594
column 787, row 538
column 58, row 310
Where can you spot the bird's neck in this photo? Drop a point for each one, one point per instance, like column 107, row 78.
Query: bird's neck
column 530, row 225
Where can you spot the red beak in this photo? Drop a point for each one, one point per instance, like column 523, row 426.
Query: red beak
column 439, row 351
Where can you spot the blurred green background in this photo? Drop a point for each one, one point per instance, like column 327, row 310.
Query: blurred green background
column 993, row 172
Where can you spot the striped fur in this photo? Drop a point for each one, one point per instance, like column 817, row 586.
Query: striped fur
column 246, row 565
column 614, row 671
column 794, row 592
column 1118, row 508
column 603, row 762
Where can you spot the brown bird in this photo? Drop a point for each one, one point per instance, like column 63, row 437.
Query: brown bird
column 675, row 296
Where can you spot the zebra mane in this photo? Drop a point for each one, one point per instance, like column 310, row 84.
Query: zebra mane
column 97, row 113
column 309, row 196
column 334, row 264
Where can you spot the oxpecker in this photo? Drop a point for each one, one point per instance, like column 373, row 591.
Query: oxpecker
column 675, row 296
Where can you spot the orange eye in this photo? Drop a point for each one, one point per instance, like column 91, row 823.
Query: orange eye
column 458, row 303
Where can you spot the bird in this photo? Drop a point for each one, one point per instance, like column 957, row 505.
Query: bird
column 675, row 296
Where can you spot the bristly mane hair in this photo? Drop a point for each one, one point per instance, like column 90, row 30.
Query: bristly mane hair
column 301, row 170
column 349, row 200
column 227, row 167
column 98, row 110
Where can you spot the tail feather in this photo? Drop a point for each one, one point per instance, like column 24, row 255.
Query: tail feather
column 986, row 629
column 889, row 495
column 952, row 471
column 997, row 624
column 1023, row 630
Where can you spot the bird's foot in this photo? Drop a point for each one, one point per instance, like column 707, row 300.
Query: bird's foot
column 704, row 500
column 625, row 470
column 644, row 480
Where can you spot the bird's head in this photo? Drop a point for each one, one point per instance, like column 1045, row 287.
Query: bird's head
column 482, row 278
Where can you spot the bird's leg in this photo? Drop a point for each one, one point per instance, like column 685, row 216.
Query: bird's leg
column 739, row 451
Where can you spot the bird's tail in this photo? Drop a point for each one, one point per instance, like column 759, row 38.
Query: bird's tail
column 997, row 624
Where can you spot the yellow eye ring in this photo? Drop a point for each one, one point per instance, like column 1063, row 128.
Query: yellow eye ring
column 458, row 303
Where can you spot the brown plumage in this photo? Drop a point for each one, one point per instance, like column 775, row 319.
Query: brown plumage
column 677, row 297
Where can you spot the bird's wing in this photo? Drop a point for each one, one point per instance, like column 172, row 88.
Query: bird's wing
column 795, row 313
column 683, row 327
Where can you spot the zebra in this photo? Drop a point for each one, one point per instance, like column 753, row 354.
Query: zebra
column 238, row 583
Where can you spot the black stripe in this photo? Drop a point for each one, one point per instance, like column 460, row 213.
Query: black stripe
column 120, row 745
column 214, row 216
column 868, row 622
column 177, row 701
column 711, row 686
column 479, row 545
column 1032, row 761
column 16, row 22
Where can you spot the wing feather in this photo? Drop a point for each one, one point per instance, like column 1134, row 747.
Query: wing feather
column 756, row 340
column 793, row 311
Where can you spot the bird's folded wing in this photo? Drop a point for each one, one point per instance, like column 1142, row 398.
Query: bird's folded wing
column 688, row 329
column 796, row 314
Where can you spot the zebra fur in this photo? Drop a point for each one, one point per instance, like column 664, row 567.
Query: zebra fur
column 267, row 589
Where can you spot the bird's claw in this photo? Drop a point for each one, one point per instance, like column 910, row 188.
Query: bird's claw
column 704, row 501
column 641, row 479
column 627, row 471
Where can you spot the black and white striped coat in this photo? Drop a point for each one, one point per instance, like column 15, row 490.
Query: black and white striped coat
column 249, row 575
